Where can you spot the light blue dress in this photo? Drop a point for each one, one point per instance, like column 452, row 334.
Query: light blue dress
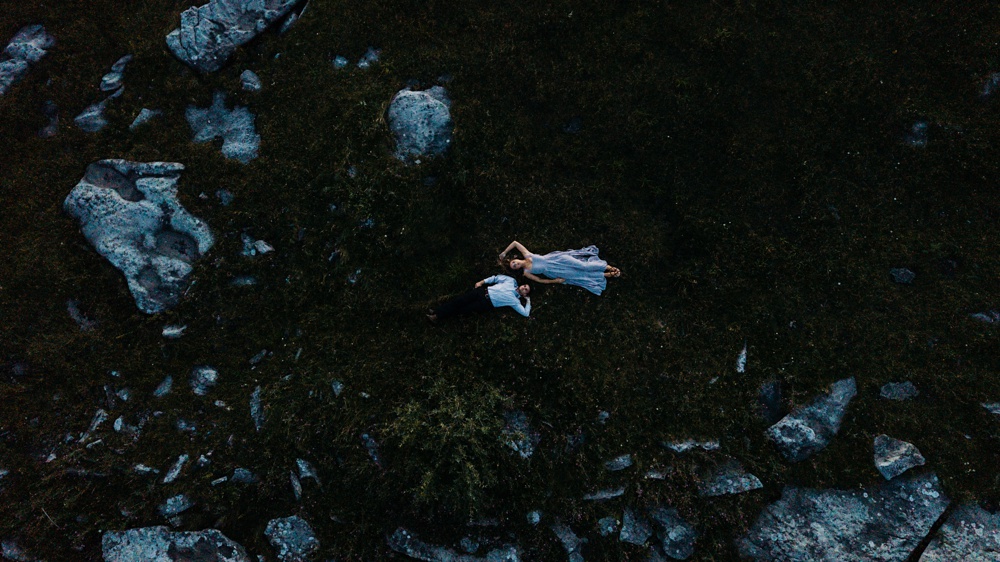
column 578, row 267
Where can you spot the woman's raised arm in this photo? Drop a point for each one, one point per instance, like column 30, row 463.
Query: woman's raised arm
column 515, row 244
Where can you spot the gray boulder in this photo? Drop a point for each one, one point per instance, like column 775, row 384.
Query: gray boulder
column 235, row 127
column 211, row 33
column 145, row 115
column 894, row 457
column 808, row 429
column 421, row 123
column 406, row 543
column 292, row 538
column 130, row 213
column 971, row 534
column 159, row 544
column 884, row 523
column 27, row 47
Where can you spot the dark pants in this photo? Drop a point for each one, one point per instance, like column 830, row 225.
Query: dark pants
column 469, row 302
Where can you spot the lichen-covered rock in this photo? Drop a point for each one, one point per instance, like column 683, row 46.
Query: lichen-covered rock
column 728, row 477
column 894, row 457
column 808, row 429
column 210, row 34
column 250, row 81
column 235, row 127
column 27, row 47
column 130, row 213
column 159, row 544
column 676, row 535
column 421, row 123
column 203, row 379
column 971, row 534
column 569, row 540
column 292, row 538
column 883, row 523
column 636, row 528
column 405, row 542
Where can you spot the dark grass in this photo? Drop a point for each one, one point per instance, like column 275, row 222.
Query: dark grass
column 741, row 162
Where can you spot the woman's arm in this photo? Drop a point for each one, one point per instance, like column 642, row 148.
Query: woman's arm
column 520, row 248
column 538, row 279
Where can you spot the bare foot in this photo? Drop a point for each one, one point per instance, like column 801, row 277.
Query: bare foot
column 612, row 272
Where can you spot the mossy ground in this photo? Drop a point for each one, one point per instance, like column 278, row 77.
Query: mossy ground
column 741, row 162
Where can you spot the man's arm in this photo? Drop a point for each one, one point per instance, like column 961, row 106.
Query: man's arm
column 523, row 310
column 493, row 280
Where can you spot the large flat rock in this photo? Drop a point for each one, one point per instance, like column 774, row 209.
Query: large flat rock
column 971, row 534
column 883, row 523
column 159, row 544
column 130, row 213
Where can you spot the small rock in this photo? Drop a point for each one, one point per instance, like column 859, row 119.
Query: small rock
column 292, row 538
column 370, row 58
column 175, row 470
column 769, row 397
column 203, row 378
column 569, row 540
column 176, row 505
column 517, row 434
column 250, row 81
column 174, row 331
column 240, row 140
column 372, row 447
column 677, row 536
column 534, row 517
column 990, row 86
column 73, row 308
column 605, row 494
column 244, row 476
column 91, row 119
column 469, row 545
column 225, row 197
column 917, row 137
column 51, row 112
column 809, row 429
column 307, row 470
column 337, row 387
column 894, row 457
column 296, row 485
column 164, row 387
column 741, row 360
column 987, row 316
column 256, row 410
column 992, row 407
column 607, row 526
column 728, row 478
column 339, row 62
column 899, row 390
column 145, row 116
column 690, row 444
column 113, row 80
column 636, row 528
column 902, row 275
column 619, row 463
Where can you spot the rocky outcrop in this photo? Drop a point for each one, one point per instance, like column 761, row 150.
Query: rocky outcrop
column 211, row 33
column 884, row 523
column 27, row 47
column 130, row 213
column 971, row 534
column 421, row 123
column 159, row 544
column 808, row 429
column 235, row 127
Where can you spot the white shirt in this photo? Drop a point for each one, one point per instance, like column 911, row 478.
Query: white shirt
column 503, row 292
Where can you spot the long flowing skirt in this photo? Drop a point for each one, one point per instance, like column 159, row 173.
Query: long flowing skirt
column 582, row 268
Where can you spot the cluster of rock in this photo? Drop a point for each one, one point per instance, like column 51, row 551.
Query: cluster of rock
column 26, row 48
column 92, row 119
column 235, row 127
